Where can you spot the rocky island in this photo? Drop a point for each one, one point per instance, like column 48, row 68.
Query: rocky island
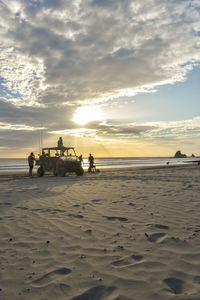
column 178, row 154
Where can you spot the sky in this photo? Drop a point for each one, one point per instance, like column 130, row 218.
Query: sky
column 112, row 77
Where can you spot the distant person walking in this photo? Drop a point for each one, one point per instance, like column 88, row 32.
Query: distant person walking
column 31, row 159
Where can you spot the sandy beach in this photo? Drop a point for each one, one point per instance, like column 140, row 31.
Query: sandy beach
column 119, row 234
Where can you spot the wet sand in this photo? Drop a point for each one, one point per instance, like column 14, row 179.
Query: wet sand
column 117, row 234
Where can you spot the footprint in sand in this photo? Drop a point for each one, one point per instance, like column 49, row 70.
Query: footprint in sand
column 97, row 293
column 76, row 216
column 131, row 204
column 160, row 226
column 175, row 285
column 137, row 257
column 61, row 287
column 88, row 231
column 116, row 218
column 22, row 207
column 127, row 261
column 157, row 237
column 197, row 279
column 58, row 210
column 50, row 276
column 42, row 210
column 97, row 201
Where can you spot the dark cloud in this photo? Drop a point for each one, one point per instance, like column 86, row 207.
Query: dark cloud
column 52, row 118
column 105, row 3
column 115, row 130
column 19, row 139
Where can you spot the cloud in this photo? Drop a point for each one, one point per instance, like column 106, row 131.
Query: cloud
column 147, row 130
column 52, row 118
column 80, row 132
column 21, row 127
column 18, row 136
column 81, row 50
column 179, row 129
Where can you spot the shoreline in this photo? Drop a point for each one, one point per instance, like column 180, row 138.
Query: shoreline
column 23, row 173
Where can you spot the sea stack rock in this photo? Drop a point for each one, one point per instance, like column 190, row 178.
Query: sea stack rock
column 178, row 154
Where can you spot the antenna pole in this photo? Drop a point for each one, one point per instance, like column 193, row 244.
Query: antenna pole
column 39, row 140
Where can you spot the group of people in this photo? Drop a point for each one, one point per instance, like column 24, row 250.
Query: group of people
column 91, row 168
column 31, row 159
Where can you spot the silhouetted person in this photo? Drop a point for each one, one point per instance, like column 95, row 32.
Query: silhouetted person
column 81, row 158
column 43, row 154
column 60, row 142
column 91, row 162
column 31, row 159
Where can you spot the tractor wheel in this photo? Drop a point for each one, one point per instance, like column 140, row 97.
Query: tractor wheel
column 79, row 172
column 61, row 172
column 40, row 172
column 55, row 173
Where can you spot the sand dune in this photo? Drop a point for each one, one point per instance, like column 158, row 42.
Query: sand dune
column 118, row 234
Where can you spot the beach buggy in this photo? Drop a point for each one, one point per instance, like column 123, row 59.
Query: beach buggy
column 59, row 161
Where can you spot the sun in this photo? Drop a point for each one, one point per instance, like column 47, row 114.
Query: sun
column 86, row 114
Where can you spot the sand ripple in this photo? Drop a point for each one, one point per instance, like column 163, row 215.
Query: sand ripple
column 115, row 236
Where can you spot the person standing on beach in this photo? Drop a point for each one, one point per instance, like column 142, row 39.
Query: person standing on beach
column 91, row 162
column 31, row 159
column 81, row 158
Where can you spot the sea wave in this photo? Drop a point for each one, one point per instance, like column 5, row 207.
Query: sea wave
column 21, row 164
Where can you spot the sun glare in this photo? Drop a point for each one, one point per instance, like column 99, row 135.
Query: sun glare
column 86, row 114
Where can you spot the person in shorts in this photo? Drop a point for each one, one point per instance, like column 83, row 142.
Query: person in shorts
column 31, row 159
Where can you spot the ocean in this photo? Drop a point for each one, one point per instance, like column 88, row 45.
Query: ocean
column 20, row 164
